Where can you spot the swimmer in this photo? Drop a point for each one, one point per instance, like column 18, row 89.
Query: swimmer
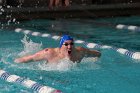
column 66, row 49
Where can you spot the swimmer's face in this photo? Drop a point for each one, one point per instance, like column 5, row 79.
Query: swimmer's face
column 67, row 47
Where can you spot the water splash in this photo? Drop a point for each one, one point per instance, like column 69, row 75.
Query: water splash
column 30, row 47
column 67, row 65
column 62, row 65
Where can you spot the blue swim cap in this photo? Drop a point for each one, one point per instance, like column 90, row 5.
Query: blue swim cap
column 64, row 38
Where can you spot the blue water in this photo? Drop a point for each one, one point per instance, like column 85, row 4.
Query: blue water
column 112, row 73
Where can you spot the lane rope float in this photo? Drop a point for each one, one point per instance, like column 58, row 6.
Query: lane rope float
column 27, row 83
column 128, row 27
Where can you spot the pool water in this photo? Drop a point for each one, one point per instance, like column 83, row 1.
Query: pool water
column 112, row 73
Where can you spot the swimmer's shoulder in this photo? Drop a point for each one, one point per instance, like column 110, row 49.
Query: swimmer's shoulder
column 50, row 50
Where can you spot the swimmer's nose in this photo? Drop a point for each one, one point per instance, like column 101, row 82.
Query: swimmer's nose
column 69, row 46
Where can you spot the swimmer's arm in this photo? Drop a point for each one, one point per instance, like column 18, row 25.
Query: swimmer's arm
column 93, row 53
column 24, row 59
column 90, row 53
column 35, row 57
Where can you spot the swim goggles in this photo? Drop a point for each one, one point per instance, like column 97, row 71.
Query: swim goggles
column 66, row 44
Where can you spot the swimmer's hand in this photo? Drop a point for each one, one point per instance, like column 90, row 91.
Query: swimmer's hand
column 90, row 59
column 19, row 60
column 93, row 59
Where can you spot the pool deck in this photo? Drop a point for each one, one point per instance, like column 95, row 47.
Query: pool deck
column 74, row 11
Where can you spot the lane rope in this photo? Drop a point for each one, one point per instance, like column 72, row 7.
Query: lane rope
column 27, row 83
column 133, row 55
column 128, row 27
